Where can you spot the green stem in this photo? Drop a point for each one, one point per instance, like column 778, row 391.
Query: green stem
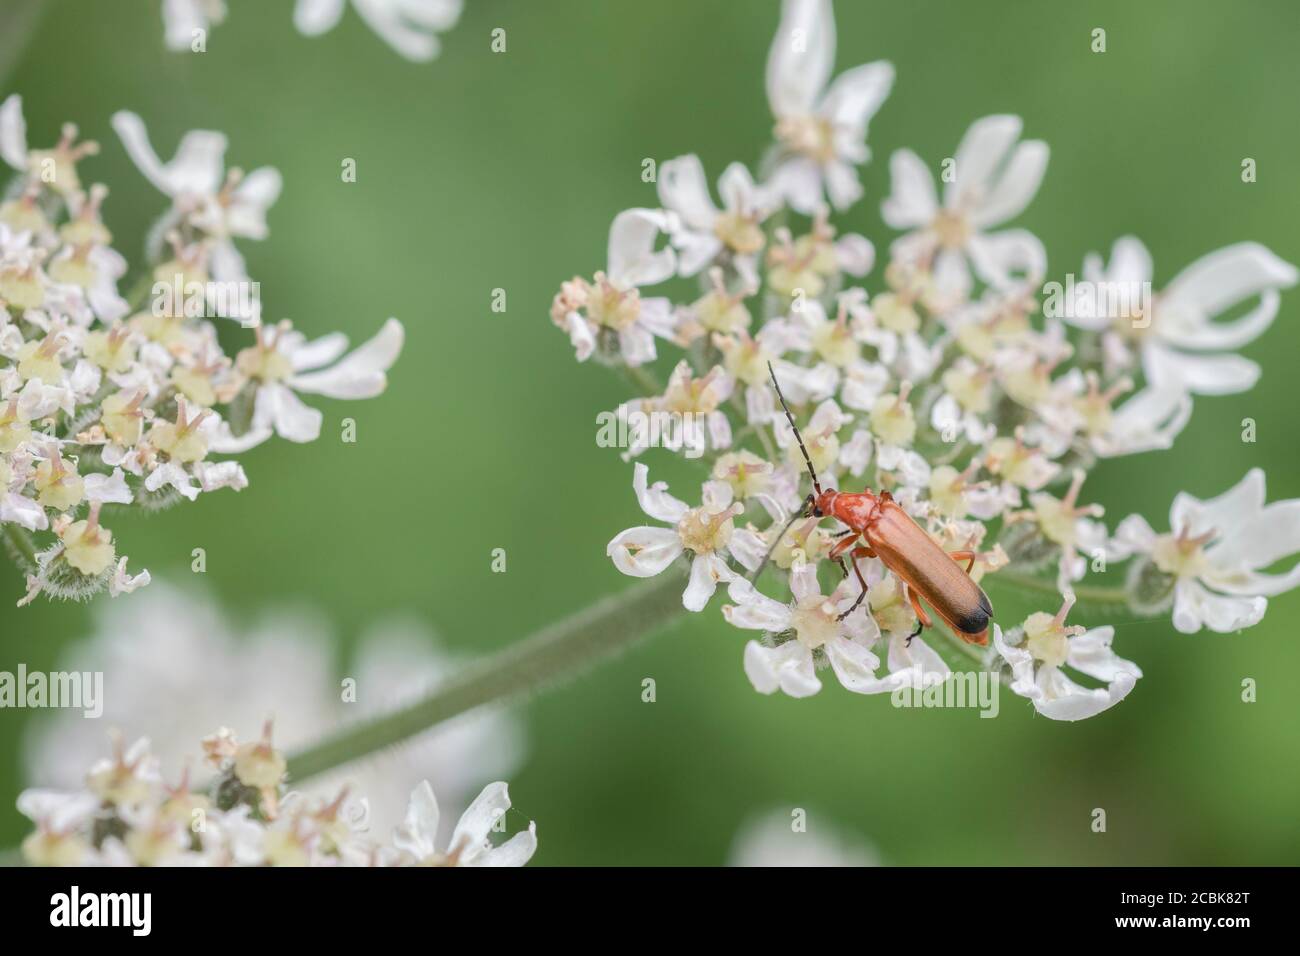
column 1085, row 593
column 554, row 653
column 21, row 547
column 642, row 380
column 140, row 291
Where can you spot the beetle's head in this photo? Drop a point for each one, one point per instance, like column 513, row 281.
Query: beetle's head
column 821, row 504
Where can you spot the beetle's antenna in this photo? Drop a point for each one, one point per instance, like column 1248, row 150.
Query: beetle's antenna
column 812, row 472
column 771, row 548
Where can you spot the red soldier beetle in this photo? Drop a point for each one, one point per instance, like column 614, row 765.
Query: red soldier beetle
column 888, row 532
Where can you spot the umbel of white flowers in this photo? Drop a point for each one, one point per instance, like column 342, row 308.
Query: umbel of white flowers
column 109, row 402
column 956, row 383
column 128, row 816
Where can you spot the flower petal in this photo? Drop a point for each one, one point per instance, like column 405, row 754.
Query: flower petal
column 13, row 133
column 982, row 149
column 1198, row 374
column 197, row 168
column 632, row 259
column 855, row 666
column 1090, row 653
column 476, row 822
column 1196, row 607
column 655, row 499
column 802, row 56
column 278, row 407
column 1016, row 186
column 754, row 610
column 684, row 189
column 516, row 851
column 419, row 830
column 314, row 17
column 360, row 374
column 706, row 571
column 912, row 201
column 788, row 668
column 856, row 95
column 1063, row 699
column 644, row 551
column 1224, row 277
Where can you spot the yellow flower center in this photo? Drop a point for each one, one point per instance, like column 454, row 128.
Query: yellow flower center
column 740, row 232
column 612, row 307
column 892, row 420
column 704, row 532
column 812, row 136
column 952, row 228
column 814, row 621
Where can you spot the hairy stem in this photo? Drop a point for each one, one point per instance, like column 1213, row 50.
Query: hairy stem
column 553, row 654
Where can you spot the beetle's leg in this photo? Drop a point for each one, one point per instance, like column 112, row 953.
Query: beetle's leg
column 844, row 567
column 922, row 619
column 842, row 546
column 861, row 581
column 960, row 556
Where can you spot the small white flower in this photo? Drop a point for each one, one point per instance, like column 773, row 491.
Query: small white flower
column 124, row 583
column 1215, row 551
column 61, row 160
column 995, row 178
column 815, row 621
column 284, row 363
column 410, row 27
column 705, row 531
column 469, row 845
column 686, row 417
column 701, row 231
column 108, row 489
column 1147, row 421
column 1179, row 343
column 611, row 303
column 821, row 129
column 1070, row 526
column 1050, row 645
column 223, row 205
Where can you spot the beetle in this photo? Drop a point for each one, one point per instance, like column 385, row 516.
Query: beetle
column 888, row 532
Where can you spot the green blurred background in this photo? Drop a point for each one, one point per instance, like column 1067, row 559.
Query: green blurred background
column 485, row 170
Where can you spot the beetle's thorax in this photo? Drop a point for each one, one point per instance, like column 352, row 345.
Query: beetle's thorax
column 854, row 510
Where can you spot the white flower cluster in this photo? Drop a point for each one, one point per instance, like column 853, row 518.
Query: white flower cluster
column 975, row 394
column 180, row 666
column 113, row 401
column 127, row 816
column 410, row 27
